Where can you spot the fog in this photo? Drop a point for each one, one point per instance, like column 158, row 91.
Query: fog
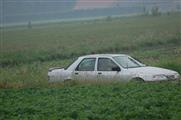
column 23, row 11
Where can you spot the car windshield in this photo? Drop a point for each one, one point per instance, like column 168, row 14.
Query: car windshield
column 127, row 62
column 70, row 64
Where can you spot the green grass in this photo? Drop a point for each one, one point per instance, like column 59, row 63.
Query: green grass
column 35, row 74
column 26, row 55
column 60, row 40
column 123, row 101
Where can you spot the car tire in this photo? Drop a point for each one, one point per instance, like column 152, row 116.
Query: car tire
column 69, row 82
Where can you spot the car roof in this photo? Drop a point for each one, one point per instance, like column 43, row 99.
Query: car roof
column 102, row 55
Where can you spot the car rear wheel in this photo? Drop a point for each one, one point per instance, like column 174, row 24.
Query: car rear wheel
column 69, row 82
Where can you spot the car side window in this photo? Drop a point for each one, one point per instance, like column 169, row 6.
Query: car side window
column 87, row 64
column 106, row 64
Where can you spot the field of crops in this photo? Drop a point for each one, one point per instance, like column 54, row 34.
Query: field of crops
column 27, row 53
column 122, row 101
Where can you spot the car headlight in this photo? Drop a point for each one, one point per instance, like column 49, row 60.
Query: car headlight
column 173, row 76
column 159, row 77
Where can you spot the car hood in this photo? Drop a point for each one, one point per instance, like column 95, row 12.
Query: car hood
column 58, row 74
column 151, row 70
column 55, row 69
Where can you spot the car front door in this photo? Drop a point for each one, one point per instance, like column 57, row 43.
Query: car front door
column 85, row 70
column 107, row 69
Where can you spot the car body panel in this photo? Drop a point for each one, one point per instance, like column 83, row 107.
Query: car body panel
column 113, row 75
column 84, row 75
column 59, row 75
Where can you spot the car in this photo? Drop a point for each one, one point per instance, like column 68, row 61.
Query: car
column 110, row 67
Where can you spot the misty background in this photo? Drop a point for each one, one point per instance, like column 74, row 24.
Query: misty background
column 24, row 11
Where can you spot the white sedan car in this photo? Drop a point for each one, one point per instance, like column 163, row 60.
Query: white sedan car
column 110, row 67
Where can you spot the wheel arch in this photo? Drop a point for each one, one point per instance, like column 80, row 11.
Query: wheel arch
column 138, row 79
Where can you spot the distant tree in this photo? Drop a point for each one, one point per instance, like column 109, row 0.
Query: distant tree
column 178, row 7
column 109, row 18
column 145, row 11
column 168, row 13
column 29, row 25
column 155, row 11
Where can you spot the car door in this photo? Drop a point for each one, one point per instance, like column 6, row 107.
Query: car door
column 107, row 69
column 85, row 70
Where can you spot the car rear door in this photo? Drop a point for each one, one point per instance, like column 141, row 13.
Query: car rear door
column 85, row 70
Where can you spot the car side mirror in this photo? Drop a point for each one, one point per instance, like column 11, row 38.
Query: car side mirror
column 116, row 69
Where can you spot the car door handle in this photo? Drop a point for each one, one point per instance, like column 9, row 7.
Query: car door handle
column 76, row 73
column 99, row 73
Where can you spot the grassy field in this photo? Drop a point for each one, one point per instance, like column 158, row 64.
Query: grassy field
column 59, row 41
column 26, row 55
column 122, row 101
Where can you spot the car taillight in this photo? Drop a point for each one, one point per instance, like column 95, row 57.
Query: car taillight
column 50, row 70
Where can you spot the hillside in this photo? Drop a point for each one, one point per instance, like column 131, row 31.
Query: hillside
column 28, row 51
